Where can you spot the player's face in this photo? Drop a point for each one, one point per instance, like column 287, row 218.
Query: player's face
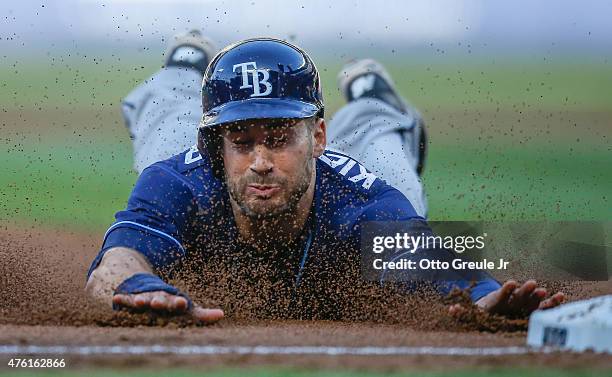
column 269, row 164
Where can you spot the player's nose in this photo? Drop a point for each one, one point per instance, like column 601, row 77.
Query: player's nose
column 261, row 161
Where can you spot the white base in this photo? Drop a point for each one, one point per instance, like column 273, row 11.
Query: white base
column 577, row 326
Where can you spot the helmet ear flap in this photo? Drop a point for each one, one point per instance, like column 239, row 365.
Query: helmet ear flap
column 209, row 144
column 201, row 142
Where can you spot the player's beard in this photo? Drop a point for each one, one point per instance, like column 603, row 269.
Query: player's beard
column 271, row 209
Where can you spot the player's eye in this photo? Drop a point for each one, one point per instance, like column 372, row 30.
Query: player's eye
column 277, row 141
column 241, row 144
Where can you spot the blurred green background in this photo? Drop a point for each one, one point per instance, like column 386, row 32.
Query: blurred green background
column 509, row 139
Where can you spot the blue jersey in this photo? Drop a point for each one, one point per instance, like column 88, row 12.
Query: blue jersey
column 179, row 210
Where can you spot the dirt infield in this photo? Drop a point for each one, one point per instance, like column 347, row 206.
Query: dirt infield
column 42, row 274
column 292, row 333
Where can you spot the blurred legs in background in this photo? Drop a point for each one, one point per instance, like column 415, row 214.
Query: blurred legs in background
column 380, row 129
column 163, row 113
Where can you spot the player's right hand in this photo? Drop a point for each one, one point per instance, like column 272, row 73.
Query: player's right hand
column 160, row 301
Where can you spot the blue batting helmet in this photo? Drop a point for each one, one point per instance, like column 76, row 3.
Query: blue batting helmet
column 260, row 78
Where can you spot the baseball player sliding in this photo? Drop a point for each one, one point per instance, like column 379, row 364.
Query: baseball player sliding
column 262, row 181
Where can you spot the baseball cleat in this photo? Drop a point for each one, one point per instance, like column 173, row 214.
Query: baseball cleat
column 190, row 50
column 367, row 78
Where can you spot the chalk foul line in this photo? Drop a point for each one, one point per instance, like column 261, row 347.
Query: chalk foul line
column 266, row 350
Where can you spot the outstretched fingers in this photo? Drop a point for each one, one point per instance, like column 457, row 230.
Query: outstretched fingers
column 207, row 315
column 497, row 300
column 157, row 301
column 527, row 297
column 123, row 300
column 512, row 299
column 554, row 300
column 165, row 302
column 142, row 301
column 456, row 310
column 523, row 292
column 179, row 304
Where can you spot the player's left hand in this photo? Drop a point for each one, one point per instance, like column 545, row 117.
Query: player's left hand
column 514, row 299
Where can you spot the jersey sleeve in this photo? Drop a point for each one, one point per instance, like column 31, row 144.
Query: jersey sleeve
column 155, row 220
column 392, row 207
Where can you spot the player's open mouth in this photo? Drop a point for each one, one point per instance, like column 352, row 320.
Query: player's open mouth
column 262, row 190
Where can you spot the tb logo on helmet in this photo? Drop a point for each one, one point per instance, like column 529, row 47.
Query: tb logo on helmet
column 245, row 70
